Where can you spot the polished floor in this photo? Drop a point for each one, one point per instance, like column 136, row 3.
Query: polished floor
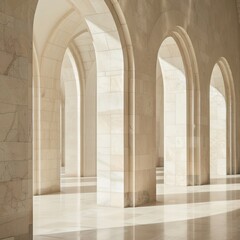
column 181, row 213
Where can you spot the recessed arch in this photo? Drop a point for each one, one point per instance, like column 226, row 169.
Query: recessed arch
column 70, row 116
column 218, row 125
column 222, row 87
column 175, row 113
column 193, row 140
column 111, row 88
column 50, row 58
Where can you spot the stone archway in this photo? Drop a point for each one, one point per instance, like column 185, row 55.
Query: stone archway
column 186, row 58
column 111, row 94
column 222, row 121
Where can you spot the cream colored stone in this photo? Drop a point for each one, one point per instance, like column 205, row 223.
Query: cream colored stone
column 127, row 41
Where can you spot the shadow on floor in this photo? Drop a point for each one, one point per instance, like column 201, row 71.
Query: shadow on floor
column 229, row 180
column 218, row 227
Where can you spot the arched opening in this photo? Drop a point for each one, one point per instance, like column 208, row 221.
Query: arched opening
column 80, row 42
column 51, row 44
column 70, row 117
column 178, row 107
column 222, row 121
column 218, row 124
column 172, row 107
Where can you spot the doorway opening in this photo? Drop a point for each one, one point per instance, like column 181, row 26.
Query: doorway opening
column 171, row 97
column 218, row 125
column 79, row 93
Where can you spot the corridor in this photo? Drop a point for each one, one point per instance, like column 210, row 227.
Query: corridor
column 190, row 211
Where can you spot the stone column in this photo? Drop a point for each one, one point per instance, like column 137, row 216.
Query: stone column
column 16, row 119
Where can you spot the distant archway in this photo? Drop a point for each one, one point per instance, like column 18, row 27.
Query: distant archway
column 218, row 124
column 109, row 91
column 70, row 116
column 222, row 121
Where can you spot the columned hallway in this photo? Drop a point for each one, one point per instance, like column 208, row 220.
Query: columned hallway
column 120, row 119
column 180, row 213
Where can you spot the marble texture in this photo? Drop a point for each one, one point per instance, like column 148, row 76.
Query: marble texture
column 204, row 208
column 132, row 32
column 16, row 120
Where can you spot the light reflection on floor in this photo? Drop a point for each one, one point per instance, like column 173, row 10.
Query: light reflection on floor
column 200, row 212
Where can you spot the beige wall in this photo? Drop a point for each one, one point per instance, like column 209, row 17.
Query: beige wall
column 16, row 118
column 214, row 32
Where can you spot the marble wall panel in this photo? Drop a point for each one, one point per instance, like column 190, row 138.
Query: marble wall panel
column 15, row 119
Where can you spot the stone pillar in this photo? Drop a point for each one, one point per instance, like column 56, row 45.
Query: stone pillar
column 16, row 119
column 143, row 140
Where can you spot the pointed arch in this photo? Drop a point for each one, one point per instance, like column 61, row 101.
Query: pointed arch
column 193, row 106
column 174, row 110
column 107, row 32
column 194, row 165
column 218, row 124
column 70, row 121
column 230, row 98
